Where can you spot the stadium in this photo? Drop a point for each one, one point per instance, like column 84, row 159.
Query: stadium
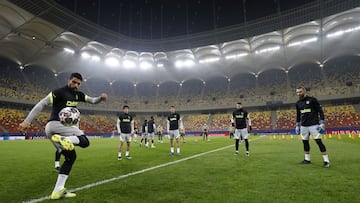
column 259, row 62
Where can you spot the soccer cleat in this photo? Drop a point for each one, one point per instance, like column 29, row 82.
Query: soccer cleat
column 62, row 194
column 171, row 153
column 128, row 157
column 63, row 141
column 247, row 153
column 57, row 169
column 178, row 154
column 305, row 162
column 146, row 145
column 119, row 158
column 326, row 164
column 152, row 146
column 236, row 153
column 140, row 144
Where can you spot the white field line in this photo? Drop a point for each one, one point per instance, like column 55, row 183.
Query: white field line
column 134, row 173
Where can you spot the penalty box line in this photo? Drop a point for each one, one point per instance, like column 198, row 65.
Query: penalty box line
column 133, row 173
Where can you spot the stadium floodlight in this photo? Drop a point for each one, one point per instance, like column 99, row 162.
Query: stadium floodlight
column 341, row 32
column 189, row 63
column 144, row 65
column 269, row 49
column 85, row 55
column 234, row 56
column 112, row 61
column 184, row 63
column 209, row 60
column 306, row 41
column 95, row 58
column 68, row 50
column 129, row 63
column 160, row 65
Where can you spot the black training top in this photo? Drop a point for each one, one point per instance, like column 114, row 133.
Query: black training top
column 308, row 111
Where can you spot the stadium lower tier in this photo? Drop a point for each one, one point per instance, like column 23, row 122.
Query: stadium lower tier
column 336, row 117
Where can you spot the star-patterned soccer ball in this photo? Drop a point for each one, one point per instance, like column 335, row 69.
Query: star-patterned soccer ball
column 69, row 116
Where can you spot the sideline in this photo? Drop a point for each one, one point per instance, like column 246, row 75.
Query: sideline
column 135, row 173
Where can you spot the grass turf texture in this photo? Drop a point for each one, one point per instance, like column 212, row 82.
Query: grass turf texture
column 270, row 174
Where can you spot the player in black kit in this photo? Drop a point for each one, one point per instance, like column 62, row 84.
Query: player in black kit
column 241, row 121
column 63, row 137
column 174, row 123
column 125, row 127
column 308, row 111
column 151, row 131
column 144, row 133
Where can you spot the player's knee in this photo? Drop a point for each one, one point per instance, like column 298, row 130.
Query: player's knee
column 321, row 145
column 83, row 141
column 306, row 145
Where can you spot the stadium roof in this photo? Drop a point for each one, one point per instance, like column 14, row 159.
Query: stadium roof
column 158, row 19
column 47, row 35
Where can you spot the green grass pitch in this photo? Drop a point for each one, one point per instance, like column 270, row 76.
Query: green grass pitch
column 270, row 174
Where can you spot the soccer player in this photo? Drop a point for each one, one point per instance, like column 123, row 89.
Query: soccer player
column 231, row 131
column 159, row 133
column 135, row 132
column 308, row 111
column 144, row 132
column 182, row 134
column 125, row 127
column 241, row 121
column 63, row 137
column 205, row 132
column 173, row 124
column 151, row 131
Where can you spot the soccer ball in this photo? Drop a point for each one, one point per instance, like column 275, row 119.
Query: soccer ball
column 69, row 116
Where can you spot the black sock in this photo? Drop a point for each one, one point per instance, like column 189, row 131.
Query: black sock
column 237, row 144
column 247, row 144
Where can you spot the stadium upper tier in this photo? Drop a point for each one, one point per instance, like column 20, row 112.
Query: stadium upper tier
column 41, row 33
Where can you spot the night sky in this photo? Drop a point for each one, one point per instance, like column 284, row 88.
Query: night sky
column 156, row 19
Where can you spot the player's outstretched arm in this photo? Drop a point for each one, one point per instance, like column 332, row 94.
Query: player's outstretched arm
column 34, row 111
column 96, row 100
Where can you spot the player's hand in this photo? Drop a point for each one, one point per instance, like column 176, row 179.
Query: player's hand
column 103, row 96
column 321, row 127
column 297, row 128
column 23, row 126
